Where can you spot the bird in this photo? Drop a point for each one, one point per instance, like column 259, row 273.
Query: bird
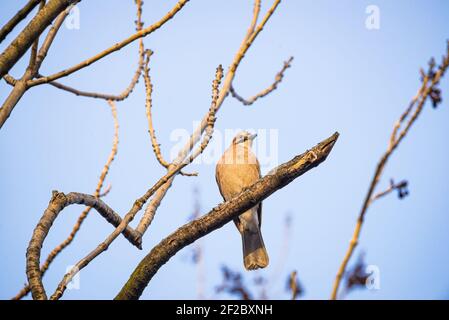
column 237, row 169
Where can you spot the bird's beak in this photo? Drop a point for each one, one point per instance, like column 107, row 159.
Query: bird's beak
column 253, row 136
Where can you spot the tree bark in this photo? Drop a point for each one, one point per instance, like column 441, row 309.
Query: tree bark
column 58, row 202
column 30, row 33
column 219, row 216
column 20, row 15
column 20, row 87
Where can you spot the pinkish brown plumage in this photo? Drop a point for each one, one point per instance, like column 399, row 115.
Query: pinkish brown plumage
column 238, row 168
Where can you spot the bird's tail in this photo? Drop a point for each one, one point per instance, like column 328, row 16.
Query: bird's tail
column 254, row 253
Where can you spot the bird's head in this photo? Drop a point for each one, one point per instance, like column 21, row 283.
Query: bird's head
column 244, row 137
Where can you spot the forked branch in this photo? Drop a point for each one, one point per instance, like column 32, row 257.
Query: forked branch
column 123, row 225
column 277, row 79
column 428, row 89
column 19, row 16
column 31, row 32
column 97, row 194
column 222, row 214
column 58, row 202
column 115, row 47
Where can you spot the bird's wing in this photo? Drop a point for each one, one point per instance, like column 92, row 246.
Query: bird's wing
column 259, row 209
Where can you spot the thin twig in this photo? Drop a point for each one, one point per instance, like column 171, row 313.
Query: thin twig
column 42, row 53
column 430, row 80
column 142, row 33
column 162, row 185
column 83, row 215
column 58, row 202
column 31, row 32
column 106, row 191
column 256, row 11
column 134, row 80
column 248, row 40
column 173, row 170
column 234, row 284
column 148, row 106
column 211, row 118
column 21, row 86
column 278, row 78
column 222, row 214
column 19, row 16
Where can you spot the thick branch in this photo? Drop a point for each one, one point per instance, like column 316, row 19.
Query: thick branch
column 165, row 181
column 31, row 32
column 35, row 46
column 148, row 106
column 227, row 82
column 21, row 86
column 401, row 187
column 224, row 90
column 58, row 202
column 42, row 54
column 85, row 212
column 19, row 16
column 222, row 214
column 172, row 171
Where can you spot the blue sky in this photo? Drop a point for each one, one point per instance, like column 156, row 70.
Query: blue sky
column 344, row 78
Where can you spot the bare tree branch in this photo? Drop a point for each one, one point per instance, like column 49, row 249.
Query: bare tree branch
column 248, row 40
column 151, row 209
column 173, row 170
column 19, row 16
column 266, row 91
column 21, row 86
column 148, row 106
column 58, row 202
column 125, row 93
column 183, row 159
column 106, row 191
column 430, row 81
column 222, row 214
column 115, row 47
column 83, row 215
column 256, row 12
column 120, row 97
column 400, row 186
column 32, row 31
column 35, row 46
column 209, row 131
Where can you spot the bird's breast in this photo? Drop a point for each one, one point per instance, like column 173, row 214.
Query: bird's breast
column 238, row 168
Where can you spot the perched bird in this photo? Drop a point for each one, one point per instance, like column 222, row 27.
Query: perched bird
column 239, row 168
